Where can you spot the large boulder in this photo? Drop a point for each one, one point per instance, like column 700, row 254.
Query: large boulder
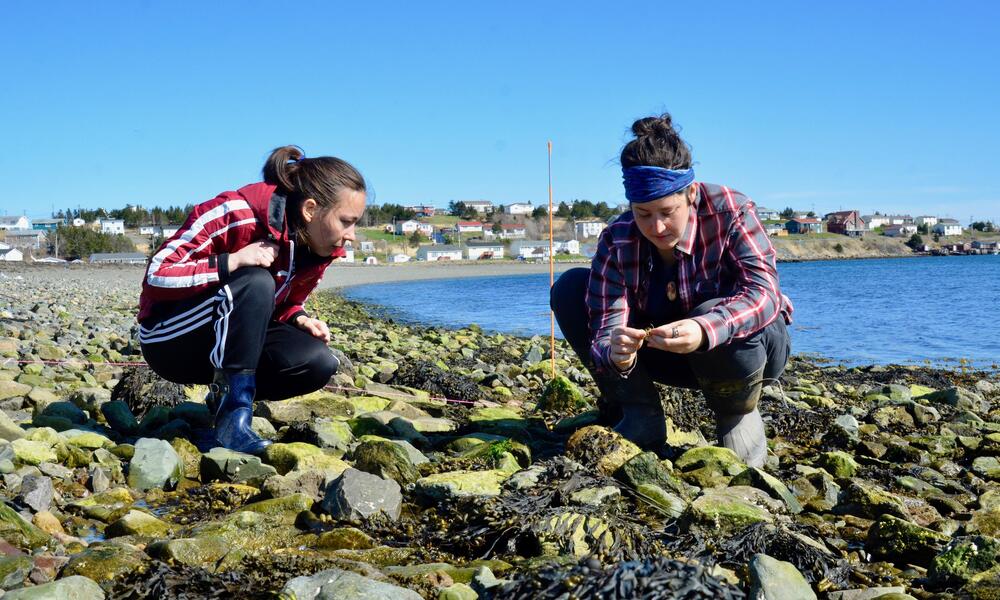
column 336, row 584
column 451, row 485
column 75, row 587
column 220, row 464
column 356, row 495
column 385, row 459
column 894, row 539
column 773, row 579
column 155, row 464
column 601, row 448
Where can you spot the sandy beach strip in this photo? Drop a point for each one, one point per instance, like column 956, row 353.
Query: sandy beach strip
column 345, row 275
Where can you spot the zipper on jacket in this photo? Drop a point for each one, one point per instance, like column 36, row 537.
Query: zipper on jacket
column 291, row 268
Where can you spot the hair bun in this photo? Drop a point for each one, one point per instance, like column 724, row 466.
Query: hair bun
column 654, row 126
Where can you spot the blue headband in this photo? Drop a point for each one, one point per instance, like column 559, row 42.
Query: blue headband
column 643, row 184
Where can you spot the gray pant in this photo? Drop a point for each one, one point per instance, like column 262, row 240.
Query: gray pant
column 766, row 351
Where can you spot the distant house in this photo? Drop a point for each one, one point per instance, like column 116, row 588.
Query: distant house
column 567, row 246
column 530, row 249
column 775, row 229
column 899, row 230
column 900, row 219
column 985, row 247
column 11, row 255
column 348, row 256
column 926, row 220
column 483, row 250
column 150, row 230
column 846, row 222
column 433, row 253
column 367, row 246
column 46, row 224
column 371, row 260
column 956, row 248
column 422, row 210
column 125, row 258
column 519, row 208
column 767, row 214
column 469, row 227
column 112, row 226
column 947, row 227
column 399, row 258
column 408, row 227
column 589, row 228
column 25, row 238
column 480, row 206
column 804, row 225
column 875, row 221
column 512, row 231
column 14, row 222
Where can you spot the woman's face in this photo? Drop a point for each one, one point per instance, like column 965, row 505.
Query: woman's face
column 329, row 228
column 662, row 221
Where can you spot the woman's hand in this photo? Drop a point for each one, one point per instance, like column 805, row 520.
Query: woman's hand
column 681, row 337
column 625, row 342
column 256, row 254
column 314, row 327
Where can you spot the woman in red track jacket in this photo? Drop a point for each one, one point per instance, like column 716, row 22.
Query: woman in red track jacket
column 222, row 299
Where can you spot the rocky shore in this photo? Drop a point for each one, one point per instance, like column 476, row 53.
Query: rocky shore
column 450, row 464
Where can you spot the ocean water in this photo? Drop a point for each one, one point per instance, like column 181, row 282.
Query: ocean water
column 941, row 311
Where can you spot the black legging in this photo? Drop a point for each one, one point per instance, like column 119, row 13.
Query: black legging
column 230, row 328
column 768, row 348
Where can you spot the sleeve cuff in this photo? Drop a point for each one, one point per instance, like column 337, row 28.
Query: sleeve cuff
column 295, row 315
column 222, row 264
column 712, row 324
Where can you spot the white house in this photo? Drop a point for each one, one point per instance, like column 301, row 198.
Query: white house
column 14, row 222
column 519, row 208
column 926, row 220
column 767, row 214
column 406, row 227
column 589, row 228
column 432, row 253
column 399, row 258
column 11, row 255
column 483, row 250
column 368, row 246
column 899, row 230
column 469, row 227
column 480, row 206
column 150, row 230
column 947, row 227
column 530, row 249
column 112, row 226
column 168, row 231
column 567, row 247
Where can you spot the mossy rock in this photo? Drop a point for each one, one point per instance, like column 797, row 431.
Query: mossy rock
column 647, row 468
column 561, row 395
column 196, row 552
column 138, row 523
column 460, row 484
column 106, row 562
column 601, row 448
column 18, row 532
column 839, row 464
column 299, row 456
column 385, row 459
column 292, row 504
column 730, row 509
column 891, row 538
column 345, row 538
column 964, row 558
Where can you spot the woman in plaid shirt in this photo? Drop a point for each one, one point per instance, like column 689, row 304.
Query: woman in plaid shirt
column 683, row 290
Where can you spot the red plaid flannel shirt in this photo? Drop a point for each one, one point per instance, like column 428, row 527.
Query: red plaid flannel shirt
column 723, row 253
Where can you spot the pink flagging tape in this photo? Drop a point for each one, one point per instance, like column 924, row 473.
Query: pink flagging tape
column 143, row 364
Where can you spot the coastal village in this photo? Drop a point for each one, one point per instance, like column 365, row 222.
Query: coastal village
column 479, row 230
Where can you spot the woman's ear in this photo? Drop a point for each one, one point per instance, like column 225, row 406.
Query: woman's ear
column 308, row 210
column 692, row 194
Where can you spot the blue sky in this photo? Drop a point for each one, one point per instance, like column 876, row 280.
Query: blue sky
column 885, row 106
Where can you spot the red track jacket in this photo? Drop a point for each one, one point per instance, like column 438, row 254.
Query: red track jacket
column 195, row 260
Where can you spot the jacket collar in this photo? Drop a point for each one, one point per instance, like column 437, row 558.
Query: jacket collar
column 686, row 244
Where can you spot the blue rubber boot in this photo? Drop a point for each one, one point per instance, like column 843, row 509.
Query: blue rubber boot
column 232, row 395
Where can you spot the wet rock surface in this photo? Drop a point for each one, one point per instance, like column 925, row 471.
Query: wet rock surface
column 465, row 471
